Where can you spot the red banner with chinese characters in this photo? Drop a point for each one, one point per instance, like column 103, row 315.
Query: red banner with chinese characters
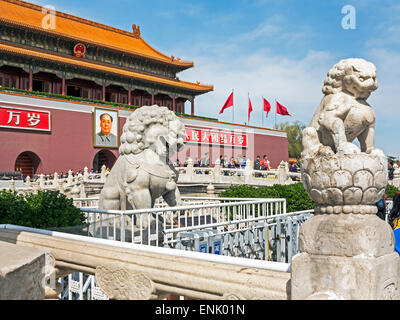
column 24, row 119
column 216, row 137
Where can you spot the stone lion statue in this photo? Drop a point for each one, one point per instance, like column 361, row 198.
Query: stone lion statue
column 343, row 114
column 143, row 171
column 337, row 174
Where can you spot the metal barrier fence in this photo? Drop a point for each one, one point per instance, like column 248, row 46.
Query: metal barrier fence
column 93, row 202
column 239, row 227
column 159, row 226
column 80, row 286
column 273, row 238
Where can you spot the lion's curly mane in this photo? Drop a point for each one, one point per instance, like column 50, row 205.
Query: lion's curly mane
column 334, row 79
column 134, row 130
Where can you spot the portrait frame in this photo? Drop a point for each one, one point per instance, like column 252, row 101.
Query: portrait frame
column 99, row 140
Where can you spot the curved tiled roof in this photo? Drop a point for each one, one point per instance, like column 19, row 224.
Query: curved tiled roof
column 64, row 59
column 31, row 16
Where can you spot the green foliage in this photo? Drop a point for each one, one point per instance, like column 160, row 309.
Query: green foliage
column 392, row 159
column 391, row 191
column 47, row 209
column 296, row 196
column 294, row 137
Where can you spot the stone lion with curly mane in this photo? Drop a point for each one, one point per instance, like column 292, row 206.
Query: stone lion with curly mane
column 343, row 114
column 143, row 171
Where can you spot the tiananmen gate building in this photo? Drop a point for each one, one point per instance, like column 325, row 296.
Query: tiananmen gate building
column 60, row 73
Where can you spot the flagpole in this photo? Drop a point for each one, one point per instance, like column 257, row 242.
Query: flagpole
column 248, row 98
column 262, row 112
column 233, row 107
column 276, row 108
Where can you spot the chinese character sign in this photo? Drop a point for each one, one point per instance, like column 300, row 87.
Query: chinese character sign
column 25, row 119
column 216, row 137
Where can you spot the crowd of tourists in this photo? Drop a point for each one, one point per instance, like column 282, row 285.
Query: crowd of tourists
column 237, row 162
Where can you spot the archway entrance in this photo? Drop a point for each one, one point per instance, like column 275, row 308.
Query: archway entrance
column 27, row 163
column 103, row 157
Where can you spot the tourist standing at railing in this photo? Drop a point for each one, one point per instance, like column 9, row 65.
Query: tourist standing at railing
column 224, row 164
column 381, row 204
column 177, row 163
column 231, row 165
column 243, row 162
column 390, row 170
column 221, row 161
column 257, row 166
column 293, row 168
column 395, row 211
column 197, row 164
column 264, row 163
column 205, row 161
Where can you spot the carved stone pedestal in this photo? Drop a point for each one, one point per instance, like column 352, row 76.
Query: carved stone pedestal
column 346, row 251
column 345, row 256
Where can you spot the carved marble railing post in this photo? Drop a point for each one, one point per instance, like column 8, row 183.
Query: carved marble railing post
column 210, row 190
column 217, row 171
column 396, row 175
column 36, row 187
column 12, row 185
column 41, row 180
column 189, row 169
column 103, row 173
column 247, row 172
column 61, row 188
column 70, row 177
column 56, row 182
column 282, row 173
column 82, row 192
column 85, row 174
column 345, row 250
column 28, row 182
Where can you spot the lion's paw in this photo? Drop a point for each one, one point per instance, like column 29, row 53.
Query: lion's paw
column 376, row 152
column 348, row 148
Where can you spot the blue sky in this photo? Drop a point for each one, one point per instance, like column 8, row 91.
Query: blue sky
column 279, row 49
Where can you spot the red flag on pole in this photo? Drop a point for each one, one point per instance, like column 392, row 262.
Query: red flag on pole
column 280, row 109
column 250, row 108
column 267, row 106
column 228, row 103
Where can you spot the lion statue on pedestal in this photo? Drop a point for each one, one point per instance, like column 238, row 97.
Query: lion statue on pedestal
column 343, row 114
column 143, row 171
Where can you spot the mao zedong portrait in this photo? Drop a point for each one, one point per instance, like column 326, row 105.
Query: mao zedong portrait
column 105, row 137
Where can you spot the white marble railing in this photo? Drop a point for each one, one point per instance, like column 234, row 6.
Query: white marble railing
column 151, row 272
column 80, row 185
column 247, row 175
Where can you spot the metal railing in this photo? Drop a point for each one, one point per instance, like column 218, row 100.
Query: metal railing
column 272, row 238
column 159, row 226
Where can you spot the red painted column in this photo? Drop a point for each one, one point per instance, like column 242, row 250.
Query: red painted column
column 104, row 92
column 152, row 98
column 63, row 85
column 129, row 96
column 30, row 79
column 192, row 107
column 141, row 100
column 173, row 104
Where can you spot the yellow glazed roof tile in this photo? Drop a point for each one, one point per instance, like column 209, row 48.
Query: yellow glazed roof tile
column 31, row 16
column 41, row 54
